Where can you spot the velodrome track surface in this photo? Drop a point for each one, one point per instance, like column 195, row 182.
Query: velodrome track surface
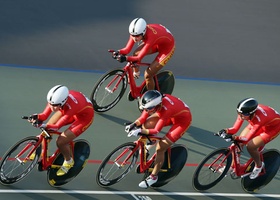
column 27, row 89
column 234, row 43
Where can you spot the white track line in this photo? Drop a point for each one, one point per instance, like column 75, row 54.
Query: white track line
column 139, row 193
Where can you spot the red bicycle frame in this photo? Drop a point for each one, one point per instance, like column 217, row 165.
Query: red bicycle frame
column 44, row 139
column 240, row 169
column 140, row 145
column 134, row 89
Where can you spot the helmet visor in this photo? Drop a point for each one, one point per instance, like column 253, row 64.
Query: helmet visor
column 150, row 108
column 244, row 114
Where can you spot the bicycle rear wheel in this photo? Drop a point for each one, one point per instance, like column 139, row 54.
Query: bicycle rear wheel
column 117, row 165
column 108, row 91
column 15, row 165
column 207, row 173
column 272, row 162
column 81, row 154
column 179, row 155
column 166, row 82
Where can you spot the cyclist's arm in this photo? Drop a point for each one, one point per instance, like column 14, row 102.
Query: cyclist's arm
column 128, row 47
column 236, row 126
column 143, row 52
column 253, row 130
column 45, row 114
column 61, row 122
column 156, row 129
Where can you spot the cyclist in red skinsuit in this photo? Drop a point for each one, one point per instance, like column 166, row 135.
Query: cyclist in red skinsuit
column 152, row 38
column 160, row 111
column 70, row 107
column 263, row 127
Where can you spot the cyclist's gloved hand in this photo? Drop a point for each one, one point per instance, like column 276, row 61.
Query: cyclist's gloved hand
column 115, row 54
column 134, row 132
column 222, row 133
column 37, row 123
column 33, row 116
column 121, row 58
column 129, row 127
column 228, row 138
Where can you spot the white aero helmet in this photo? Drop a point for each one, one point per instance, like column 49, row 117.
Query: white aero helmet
column 58, row 95
column 150, row 99
column 137, row 26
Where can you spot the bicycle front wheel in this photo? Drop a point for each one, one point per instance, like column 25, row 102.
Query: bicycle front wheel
column 117, row 165
column 212, row 169
column 15, row 164
column 108, row 90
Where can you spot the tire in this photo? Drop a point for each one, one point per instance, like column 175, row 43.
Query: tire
column 272, row 162
column 166, row 82
column 179, row 155
column 14, row 169
column 101, row 98
column 206, row 175
column 81, row 155
column 111, row 172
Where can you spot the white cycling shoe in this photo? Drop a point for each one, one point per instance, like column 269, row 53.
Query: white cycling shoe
column 148, row 182
column 256, row 171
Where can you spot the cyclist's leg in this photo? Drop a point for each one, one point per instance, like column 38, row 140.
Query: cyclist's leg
column 161, row 148
column 76, row 129
column 160, row 61
column 174, row 134
column 135, row 53
column 253, row 146
column 259, row 141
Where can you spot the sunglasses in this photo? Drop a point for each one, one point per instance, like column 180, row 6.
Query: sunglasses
column 150, row 108
column 55, row 104
column 245, row 114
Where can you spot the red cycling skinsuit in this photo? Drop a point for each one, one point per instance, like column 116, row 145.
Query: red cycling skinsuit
column 265, row 123
column 77, row 111
column 174, row 112
column 156, row 39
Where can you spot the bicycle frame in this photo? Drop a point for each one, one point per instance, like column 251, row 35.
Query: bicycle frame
column 144, row 163
column 44, row 139
column 240, row 169
column 134, row 89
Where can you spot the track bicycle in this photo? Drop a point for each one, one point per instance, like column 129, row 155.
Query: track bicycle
column 110, row 88
column 122, row 159
column 22, row 157
column 216, row 165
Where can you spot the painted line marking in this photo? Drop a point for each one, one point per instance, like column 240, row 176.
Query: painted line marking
column 133, row 193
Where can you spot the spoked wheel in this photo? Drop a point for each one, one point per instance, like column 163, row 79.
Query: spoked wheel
column 272, row 163
column 179, row 155
column 15, row 165
column 117, row 165
column 212, row 169
column 109, row 90
column 81, row 154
